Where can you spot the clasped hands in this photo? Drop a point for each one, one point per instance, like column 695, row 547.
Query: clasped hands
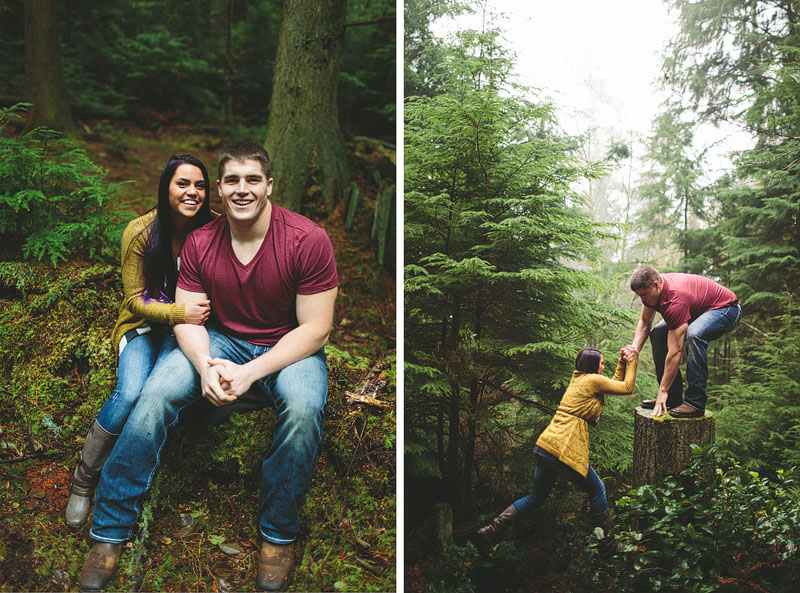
column 660, row 407
column 629, row 353
column 223, row 381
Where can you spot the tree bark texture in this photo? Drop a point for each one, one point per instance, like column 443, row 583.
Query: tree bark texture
column 661, row 446
column 43, row 73
column 303, row 136
column 443, row 525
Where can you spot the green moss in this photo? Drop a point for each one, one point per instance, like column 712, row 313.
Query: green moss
column 59, row 367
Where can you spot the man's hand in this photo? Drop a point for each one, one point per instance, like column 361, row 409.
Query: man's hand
column 211, row 384
column 629, row 353
column 661, row 403
column 234, row 379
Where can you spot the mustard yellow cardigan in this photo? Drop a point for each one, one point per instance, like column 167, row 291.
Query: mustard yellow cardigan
column 133, row 311
column 567, row 436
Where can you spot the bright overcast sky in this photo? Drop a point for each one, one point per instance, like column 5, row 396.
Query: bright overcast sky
column 598, row 60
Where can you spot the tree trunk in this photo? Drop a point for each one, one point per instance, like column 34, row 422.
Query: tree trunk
column 443, row 526
column 43, row 72
column 303, row 136
column 661, row 445
column 469, row 445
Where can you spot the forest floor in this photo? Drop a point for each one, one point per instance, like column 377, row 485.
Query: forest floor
column 523, row 560
column 197, row 531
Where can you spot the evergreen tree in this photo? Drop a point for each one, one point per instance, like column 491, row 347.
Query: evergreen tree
column 489, row 224
column 736, row 62
column 674, row 199
column 424, row 53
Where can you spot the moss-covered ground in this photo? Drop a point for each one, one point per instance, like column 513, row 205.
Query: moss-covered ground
column 198, row 528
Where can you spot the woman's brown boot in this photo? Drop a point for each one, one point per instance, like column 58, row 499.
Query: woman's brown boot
column 487, row 536
column 84, row 479
column 608, row 545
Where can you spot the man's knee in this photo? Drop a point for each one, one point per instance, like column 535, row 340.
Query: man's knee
column 303, row 412
column 693, row 335
column 302, row 387
column 659, row 333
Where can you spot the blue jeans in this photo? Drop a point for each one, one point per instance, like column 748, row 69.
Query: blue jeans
column 708, row 326
column 298, row 394
column 548, row 468
column 135, row 363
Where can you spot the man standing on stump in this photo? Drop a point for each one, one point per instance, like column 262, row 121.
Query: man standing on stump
column 271, row 277
column 695, row 310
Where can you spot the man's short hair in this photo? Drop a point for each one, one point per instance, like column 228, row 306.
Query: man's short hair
column 643, row 277
column 245, row 151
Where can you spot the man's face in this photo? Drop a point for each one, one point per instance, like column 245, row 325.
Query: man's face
column 244, row 190
column 650, row 295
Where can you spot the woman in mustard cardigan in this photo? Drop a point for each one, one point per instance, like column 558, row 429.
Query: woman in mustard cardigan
column 563, row 447
column 151, row 246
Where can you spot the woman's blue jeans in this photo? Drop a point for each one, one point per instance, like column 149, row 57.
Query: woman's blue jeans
column 298, row 393
column 708, row 326
column 548, row 468
column 135, row 362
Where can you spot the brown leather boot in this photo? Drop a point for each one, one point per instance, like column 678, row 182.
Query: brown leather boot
column 100, row 566
column 608, row 545
column 487, row 535
column 275, row 564
column 84, row 479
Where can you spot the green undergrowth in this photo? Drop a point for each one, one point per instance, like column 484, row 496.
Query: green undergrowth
column 58, row 368
column 715, row 527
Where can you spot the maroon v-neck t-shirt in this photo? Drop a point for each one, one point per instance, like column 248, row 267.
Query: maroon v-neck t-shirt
column 685, row 297
column 256, row 302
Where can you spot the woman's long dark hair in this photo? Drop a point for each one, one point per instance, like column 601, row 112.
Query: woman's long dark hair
column 588, row 360
column 160, row 272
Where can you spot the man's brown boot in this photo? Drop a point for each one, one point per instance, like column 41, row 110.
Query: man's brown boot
column 275, row 564
column 100, row 566
column 487, row 535
column 84, row 479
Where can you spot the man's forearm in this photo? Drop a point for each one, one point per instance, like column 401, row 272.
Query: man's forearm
column 301, row 342
column 671, row 365
column 641, row 334
column 194, row 342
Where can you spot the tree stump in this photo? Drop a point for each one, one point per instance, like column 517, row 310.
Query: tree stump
column 443, row 525
column 661, row 446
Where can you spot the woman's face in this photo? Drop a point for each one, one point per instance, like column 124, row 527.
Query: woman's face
column 600, row 366
column 187, row 190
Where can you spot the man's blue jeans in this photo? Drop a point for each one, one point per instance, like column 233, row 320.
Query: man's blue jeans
column 298, row 394
column 134, row 366
column 708, row 326
column 548, row 468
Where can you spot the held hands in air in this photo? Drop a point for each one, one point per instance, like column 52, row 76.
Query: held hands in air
column 628, row 353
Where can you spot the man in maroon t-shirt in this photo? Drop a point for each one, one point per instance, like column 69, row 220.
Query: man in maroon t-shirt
column 695, row 310
column 271, row 277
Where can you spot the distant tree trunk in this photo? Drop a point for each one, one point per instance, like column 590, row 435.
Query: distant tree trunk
column 453, row 477
column 469, row 445
column 303, row 136
column 43, row 72
column 661, row 446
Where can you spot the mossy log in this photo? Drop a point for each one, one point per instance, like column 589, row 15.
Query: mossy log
column 661, row 445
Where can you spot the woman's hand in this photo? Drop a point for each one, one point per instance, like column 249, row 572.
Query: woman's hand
column 197, row 312
column 628, row 354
